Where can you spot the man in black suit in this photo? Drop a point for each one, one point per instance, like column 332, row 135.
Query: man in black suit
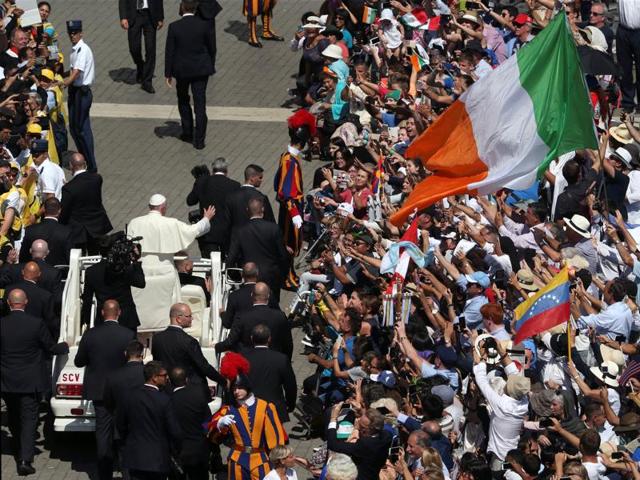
column 121, row 381
column 261, row 313
column 148, row 427
column 59, row 237
column 214, row 190
column 238, row 202
column 260, row 241
column 271, row 375
column 176, row 348
column 138, row 18
column 41, row 303
column 191, row 410
column 50, row 277
column 82, row 207
column 190, row 58
column 241, row 299
column 102, row 351
column 24, row 344
column 371, row 450
column 105, row 281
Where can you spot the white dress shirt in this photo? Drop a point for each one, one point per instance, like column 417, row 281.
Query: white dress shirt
column 50, row 179
column 629, row 13
column 507, row 414
column 81, row 58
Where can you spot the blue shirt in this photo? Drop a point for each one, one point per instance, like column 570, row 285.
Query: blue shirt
column 636, row 272
column 427, row 370
column 347, row 38
column 614, row 320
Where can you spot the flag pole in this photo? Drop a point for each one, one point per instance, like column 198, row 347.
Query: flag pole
column 569, row 338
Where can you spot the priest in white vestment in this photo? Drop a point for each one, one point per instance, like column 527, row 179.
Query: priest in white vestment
column 162, row 237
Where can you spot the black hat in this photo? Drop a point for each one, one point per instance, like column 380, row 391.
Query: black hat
column 241, row 381
column 74, row 26
column 332, row 30
column 559, row 344
column 40, row 145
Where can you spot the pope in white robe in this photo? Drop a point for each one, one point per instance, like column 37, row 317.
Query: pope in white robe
column 162, row 237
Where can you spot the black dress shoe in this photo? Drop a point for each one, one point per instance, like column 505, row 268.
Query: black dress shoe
column 198, row 145
column 138, row 77
column 148, row 88
column 186, row 138
column 25, row 468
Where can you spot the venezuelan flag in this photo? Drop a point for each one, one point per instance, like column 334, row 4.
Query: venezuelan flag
column 546, row 309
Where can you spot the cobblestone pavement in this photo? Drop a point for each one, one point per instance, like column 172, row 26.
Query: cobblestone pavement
column 138, row 157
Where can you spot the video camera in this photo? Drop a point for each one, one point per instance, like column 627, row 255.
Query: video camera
column 123, row 252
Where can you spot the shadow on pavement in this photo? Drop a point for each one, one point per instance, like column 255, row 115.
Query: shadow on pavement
column 237, row 29
column 123, row 75
column 171, row 128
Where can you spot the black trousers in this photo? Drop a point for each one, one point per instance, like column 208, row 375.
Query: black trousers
column 207, row 247
column 199, row 91
column 196, row 472
column 22, row 410
column 104, row 440
column 144, row 475
column 143, row 26
column 628, row 53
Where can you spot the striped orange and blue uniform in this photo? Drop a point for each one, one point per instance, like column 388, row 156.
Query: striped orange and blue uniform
column 289, row 193
column 255, row 8
column 258, row 427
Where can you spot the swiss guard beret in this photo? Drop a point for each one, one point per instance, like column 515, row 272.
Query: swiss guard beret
column 74, row 25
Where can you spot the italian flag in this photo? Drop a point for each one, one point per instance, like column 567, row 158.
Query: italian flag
column 505, row 130
column 369, row 15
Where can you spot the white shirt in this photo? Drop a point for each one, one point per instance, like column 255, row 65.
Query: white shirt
column 50, row 179
column 273, row 475
column 482, row 69
column 614, row 320
column 507, row 415
column 632, row 198
column 629, row 13
column 82, row 59
column 596, row 471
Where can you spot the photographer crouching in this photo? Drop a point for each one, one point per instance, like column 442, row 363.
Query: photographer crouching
column 112, row 279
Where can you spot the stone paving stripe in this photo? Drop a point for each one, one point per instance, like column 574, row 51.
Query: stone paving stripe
column 170, row 112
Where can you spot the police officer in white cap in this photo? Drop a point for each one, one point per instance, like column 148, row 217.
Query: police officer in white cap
column 162, row 237
column 79, row 79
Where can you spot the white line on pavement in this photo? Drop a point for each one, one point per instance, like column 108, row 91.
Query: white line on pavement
column 170, row 112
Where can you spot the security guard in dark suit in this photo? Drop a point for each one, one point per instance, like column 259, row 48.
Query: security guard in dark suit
column 238, row 202
column 119, row 382
column 214, row 190
column 261, row 313
column 24, row 344
column 190, row 58
column 271, row 375
column 176, row 348
column 148, row 427
column 191, row 410
column 260, row 241
column 138, row 18
column 79, row 79
column 101, row 351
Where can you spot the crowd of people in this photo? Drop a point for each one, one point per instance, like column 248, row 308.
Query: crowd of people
column 411, row 327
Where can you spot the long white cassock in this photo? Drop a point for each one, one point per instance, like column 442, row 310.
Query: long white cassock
column 162, row 237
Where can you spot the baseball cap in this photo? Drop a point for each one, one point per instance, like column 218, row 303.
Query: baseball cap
column 385, row 377
column 34, row 129
column 522, row 19
column 480, row 278
column 40, row 145
column 46, row 73
column 447, row 355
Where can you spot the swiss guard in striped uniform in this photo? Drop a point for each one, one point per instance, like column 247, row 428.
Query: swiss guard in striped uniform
column 264, row 8
column 288, row 187
column 249, row 426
